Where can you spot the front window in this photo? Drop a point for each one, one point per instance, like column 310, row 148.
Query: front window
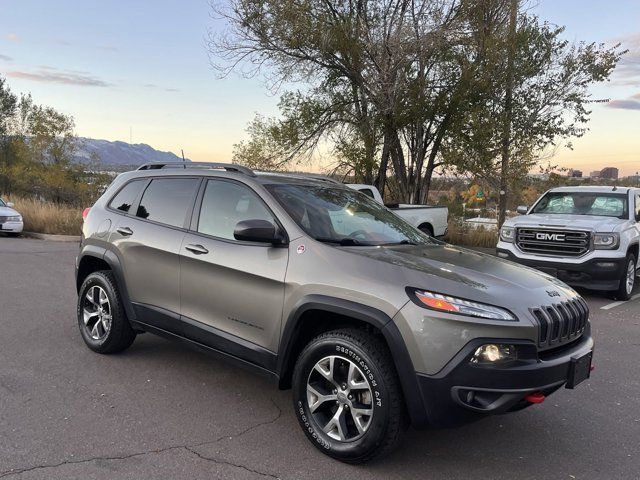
column 584, row 203
column 344, row 216
column 2, row 204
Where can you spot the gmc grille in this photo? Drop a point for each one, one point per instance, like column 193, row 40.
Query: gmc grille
column 4, row 219
column 561, row 322
column 571, row 243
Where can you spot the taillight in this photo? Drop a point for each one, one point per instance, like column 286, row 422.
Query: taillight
column 85, row 212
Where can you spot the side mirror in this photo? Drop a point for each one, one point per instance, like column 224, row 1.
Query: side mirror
column 9, row 204
column 257, row 230
column 522, row 209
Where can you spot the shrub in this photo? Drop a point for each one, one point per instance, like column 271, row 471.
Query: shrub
column 48, row 217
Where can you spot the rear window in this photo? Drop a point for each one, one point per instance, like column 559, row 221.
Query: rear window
column 584, row 203
column 167, row 200
column 126, row 196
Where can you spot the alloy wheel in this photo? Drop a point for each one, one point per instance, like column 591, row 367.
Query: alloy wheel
column 96, row 312
column 339, row 398
column 631, row 275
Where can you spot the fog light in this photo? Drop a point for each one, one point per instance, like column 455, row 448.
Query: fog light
column 492, row 354
column 503, row 255
column 606, row 264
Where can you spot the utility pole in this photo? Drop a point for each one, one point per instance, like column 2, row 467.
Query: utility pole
column 508, row 113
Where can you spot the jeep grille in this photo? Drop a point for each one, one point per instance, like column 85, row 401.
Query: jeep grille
column 561, row 322
column 565, row 243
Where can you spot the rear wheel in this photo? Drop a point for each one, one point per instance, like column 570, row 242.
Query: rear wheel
column 426, row 228
column 101, row 317
column 347, row 397
column 627, row 278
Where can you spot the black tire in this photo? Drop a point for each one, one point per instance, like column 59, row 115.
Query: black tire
column 426, row 228
column 389, row 419
column 623, row 292
column 120, row 335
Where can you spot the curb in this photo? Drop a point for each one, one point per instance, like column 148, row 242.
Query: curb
column 52, row 238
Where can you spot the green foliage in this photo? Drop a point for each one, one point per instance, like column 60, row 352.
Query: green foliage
column 37, row 144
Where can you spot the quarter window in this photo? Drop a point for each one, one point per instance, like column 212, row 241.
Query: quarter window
column 224, row 204
column 167, row 200
column 126, row 196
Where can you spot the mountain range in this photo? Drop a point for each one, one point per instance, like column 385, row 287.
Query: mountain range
column 119, row 154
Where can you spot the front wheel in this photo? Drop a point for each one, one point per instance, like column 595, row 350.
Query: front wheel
column 627, row 278
column 347, row 397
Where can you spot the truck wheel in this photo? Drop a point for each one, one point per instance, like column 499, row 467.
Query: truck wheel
column 101, row 317
column 426, row 228
column 347, row 397
column 627, row 278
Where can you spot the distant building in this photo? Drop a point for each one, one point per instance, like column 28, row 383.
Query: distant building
column 595, row 174
column 575, row 173
column 610, row 173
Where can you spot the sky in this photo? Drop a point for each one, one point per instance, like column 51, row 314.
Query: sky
column 139, row 70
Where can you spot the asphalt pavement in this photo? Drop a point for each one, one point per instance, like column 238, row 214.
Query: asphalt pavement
column 161, row 410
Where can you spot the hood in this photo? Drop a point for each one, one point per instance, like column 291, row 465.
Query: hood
column 452, row 270
column 7, row 212
column 579, row 222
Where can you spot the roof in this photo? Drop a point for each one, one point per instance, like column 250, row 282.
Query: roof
column 594, row 189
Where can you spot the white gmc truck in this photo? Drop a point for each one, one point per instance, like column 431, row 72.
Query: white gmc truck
column 585, row 236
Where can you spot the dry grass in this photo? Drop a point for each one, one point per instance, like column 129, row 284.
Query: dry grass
column 460, row 234
column 45, row 217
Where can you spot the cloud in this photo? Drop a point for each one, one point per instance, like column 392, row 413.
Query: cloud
column 5, row 58
column 12, row 37
column 51, row 75
column 637, row 95
column 625, row 104
column 150, row 85
column 627, row 71
column 171, row 90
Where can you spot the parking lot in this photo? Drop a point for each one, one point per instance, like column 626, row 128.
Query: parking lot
column 161, row 410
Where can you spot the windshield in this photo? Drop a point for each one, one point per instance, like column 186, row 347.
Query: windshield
column 344, row 216
column 584, row 203
column 2, row 204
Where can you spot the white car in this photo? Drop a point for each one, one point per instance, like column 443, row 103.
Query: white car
column 432, row 220
column 586, row 236
column 10, row 220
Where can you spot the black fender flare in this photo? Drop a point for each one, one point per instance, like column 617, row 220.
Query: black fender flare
column 114, row 263
column 378, row 319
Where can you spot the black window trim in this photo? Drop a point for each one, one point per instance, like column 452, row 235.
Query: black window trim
column 195, row 216
column 136, row 200
column 136, row 204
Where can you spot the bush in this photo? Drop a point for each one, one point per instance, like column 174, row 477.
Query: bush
column 460, row 233
column 48, row 217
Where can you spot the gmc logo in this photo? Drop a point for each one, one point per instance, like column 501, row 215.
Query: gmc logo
column 554, row 237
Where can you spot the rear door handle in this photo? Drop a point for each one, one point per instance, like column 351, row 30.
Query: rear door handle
column 197, row 249
column 126, row 231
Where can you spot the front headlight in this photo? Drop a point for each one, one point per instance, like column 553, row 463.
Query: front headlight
column 606, row 241
column 507, row 234
column 445, row 303
column 14, row 218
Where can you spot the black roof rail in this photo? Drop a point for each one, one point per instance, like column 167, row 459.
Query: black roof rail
column 229, row 167
column 311, row 176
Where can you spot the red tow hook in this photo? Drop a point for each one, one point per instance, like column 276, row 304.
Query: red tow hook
column 535, row 397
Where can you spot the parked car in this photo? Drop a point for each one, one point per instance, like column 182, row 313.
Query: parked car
column 432, row 220
column 10, row 220
column 372, row 329
column 586, row 236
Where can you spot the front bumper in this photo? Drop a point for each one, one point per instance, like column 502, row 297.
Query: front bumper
column 463, row 392
column 11, row 227
column 595, row 273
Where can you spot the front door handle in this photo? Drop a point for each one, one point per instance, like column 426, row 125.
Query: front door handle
column 197, row 249
column 126, row 231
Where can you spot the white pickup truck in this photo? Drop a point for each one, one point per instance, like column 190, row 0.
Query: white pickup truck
column 586, row 236
column 431, row 220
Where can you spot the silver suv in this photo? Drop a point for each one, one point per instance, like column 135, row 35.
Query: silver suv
column 372, row 323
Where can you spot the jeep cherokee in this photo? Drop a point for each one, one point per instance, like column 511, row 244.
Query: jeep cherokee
column 371, row 322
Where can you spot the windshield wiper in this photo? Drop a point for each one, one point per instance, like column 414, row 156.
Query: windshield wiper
column 345, row 242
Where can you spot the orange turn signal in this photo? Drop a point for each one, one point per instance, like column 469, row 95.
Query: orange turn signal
column 437, row 303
